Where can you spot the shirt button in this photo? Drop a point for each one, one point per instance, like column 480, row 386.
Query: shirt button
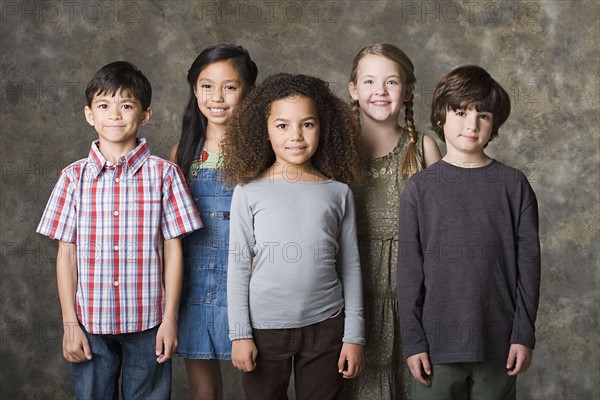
column 116, row 247
column 117, row 180
column 116, row 283
column 116, row 213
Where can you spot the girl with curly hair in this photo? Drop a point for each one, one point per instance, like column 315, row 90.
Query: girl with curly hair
column 294, row 285
column 219, row 78
column 382, row 83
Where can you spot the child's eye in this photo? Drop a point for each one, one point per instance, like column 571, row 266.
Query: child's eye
column 369, row 81
column 230, row 88
column 282, row 126
column 485, row 117
column 127, row 106
column 393, row 82
column 308, row 125
column 459, row 113
column 206, row 86
column 102, row 106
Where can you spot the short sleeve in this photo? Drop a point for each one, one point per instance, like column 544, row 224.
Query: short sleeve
column 179, row 215
column 59, row 219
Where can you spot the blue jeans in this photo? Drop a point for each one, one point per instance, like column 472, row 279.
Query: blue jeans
column 131, row 353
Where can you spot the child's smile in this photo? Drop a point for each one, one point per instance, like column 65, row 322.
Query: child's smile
column 293, row 128
column 116, row 117
column 217, row 91
column 379, row 89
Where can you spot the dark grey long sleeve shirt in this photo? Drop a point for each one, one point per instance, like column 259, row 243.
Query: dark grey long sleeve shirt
column 468, row 263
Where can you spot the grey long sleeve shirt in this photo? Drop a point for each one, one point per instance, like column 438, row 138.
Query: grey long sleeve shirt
column 293, row 257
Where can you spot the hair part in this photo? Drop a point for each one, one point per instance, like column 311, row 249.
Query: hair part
column 413, row 159
column 120, row 76
column 468, row 87
column 193, row 129
column 247, row 151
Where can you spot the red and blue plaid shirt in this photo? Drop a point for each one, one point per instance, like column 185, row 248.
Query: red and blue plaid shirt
column 119, row 215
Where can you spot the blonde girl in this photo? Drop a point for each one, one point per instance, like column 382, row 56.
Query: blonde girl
column 381, row 86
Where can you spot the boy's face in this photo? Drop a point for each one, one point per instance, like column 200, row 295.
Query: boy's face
column 467, row 131
column 117, row 118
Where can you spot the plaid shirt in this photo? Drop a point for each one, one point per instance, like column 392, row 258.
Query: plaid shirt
column 119, row 215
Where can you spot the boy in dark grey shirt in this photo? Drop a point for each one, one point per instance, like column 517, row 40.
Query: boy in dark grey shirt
column 469, row 255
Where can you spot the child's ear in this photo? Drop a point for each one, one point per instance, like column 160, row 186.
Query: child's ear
column 89, row 117
column 146, row 115
column 353, row 91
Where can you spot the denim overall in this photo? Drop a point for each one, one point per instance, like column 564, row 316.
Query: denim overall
column 203, row 326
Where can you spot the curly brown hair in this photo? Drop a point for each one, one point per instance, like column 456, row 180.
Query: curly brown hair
column 247, row 151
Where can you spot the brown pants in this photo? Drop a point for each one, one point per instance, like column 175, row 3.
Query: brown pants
column 314, row 351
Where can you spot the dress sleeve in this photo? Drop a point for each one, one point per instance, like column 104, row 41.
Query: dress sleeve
column 529, row 267
column 59, row 221
column 179, row 213
column 239, row 269
column 348, row 268
column 410, row 282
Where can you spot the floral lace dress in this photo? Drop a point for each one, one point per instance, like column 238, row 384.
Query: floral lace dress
column 377, row 203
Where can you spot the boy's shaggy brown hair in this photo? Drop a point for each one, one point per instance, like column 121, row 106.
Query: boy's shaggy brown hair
column 465, row 87
column 247, row 151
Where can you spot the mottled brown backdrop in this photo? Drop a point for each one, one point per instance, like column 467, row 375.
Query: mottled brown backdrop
column 545, row 53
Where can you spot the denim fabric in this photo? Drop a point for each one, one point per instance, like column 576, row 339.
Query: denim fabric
column 133, row 355
column 203, row 326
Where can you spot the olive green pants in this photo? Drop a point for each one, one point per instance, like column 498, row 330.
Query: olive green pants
column 467, row 381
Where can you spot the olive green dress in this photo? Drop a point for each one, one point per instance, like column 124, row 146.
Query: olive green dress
column 377, row 206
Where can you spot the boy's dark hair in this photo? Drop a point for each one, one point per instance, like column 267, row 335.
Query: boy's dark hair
column 247, row 151
column 120, row 76
column 193, row 130
column 465, row 87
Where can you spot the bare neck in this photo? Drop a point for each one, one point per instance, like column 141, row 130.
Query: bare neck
column 379, row 139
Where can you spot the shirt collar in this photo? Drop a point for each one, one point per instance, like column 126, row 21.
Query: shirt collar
column 133, row 160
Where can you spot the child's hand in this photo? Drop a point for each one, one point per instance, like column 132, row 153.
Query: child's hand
column 417, row 364
column 352, row 354
column 76, row 347
column 243, row 354
column 166, row 340
column 522, row 355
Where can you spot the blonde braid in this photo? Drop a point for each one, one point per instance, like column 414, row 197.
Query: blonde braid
column 413, row 160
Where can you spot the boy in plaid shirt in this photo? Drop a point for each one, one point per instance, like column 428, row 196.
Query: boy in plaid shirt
column 119, row 216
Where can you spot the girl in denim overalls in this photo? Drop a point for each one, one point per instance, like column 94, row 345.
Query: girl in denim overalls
column 219, row 78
